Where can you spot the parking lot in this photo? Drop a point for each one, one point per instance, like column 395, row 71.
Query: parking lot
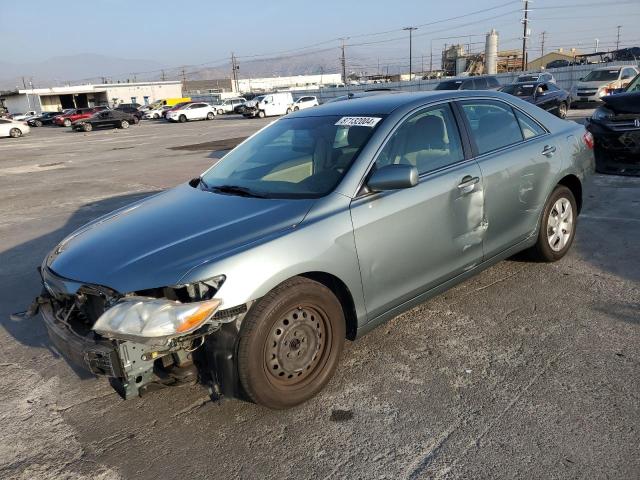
column 526, row 371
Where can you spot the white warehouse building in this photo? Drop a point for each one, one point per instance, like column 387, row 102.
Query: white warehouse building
column 78, row 96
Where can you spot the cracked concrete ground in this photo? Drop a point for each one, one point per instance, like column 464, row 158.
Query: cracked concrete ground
column 526, row 371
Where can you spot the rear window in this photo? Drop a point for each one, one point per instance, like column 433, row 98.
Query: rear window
column 449, row 85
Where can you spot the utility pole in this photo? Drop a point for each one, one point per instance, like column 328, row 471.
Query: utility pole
column 163, row 76
column 184, row 77
column 597, row 45
column 234, row 70
column 431, row 59
column 525, row 32
column 343, row 62
column 410, row 30
column 619, row 27
column 543, row 34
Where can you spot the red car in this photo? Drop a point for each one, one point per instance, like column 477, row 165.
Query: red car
column 77, row 114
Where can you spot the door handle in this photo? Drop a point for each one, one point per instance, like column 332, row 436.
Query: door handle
column 467, row 184
column 548, row 151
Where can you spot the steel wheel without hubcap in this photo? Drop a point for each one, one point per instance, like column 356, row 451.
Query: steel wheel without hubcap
column 295, row 346
column 560, row 224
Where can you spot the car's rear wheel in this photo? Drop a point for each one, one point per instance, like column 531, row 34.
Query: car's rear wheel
column 66, row 122
column 557, row 226
column 295, row 109
column 563, row 108
column 87, row 127
column 210, row 116
column 156, row 116
column 15, row 133
column 288, row 111
column 182, row 119
column 124, row 124
column 37, row 123
column 290, row 343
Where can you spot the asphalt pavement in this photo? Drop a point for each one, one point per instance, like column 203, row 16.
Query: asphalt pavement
column 528, row 370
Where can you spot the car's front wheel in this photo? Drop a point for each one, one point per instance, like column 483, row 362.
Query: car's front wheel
column 66, row 122
column 124, row 124
column 15, row 133
column 290, row 343
column 557, row 226
column 562, row 110
column 261, row 114
column 37, row 123
column 220, row 112
column 87, row 127
column 210, row 116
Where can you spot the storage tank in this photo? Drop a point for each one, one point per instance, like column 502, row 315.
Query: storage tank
column 491, row 53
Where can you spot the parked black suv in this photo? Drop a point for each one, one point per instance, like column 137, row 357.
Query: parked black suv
column 615, row 127
column 484, row 82
column 131, row 108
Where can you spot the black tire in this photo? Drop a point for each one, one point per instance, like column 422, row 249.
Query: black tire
column 135, row 120
column 156, row 116
column 220, row 112
column 563, row 108
column 542, row 250
column 261, row 113
column 182, row 119
column 210, row 116
column 37, row 123
column 288, row 111
column 295, row 109
column 288, row 323
column 67, row 122
column 124, row 124
column 87, row 127
column 15, row 133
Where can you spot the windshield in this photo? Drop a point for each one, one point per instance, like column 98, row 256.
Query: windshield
column 449, row 85
column 294, row 157
column 634, row 85
column 519, row 90
column 602, row 76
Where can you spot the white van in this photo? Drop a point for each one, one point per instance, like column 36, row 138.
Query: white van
column 268, row 105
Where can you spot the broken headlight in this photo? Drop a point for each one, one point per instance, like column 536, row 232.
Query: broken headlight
column 146, row 319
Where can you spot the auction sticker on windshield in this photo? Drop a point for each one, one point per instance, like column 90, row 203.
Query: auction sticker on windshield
column 358, row 121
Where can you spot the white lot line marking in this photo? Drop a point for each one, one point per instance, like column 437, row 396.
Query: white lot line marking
column 608, row 219
column 30, row 169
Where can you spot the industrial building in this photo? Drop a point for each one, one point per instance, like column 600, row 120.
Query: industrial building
column 77, row 96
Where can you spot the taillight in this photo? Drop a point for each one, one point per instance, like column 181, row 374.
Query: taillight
column 588, row 140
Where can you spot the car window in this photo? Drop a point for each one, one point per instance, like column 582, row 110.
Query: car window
column 428, row 140
column 628, row 73
column 4, row 121
column 480, row 83
column 492, row 82
column 295, row 157
column 529, row 127
column 602, row 75
column 553, row 87
column 493, row 124
column 467, row 85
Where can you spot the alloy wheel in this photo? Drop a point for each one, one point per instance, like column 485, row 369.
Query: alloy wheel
column 560, row 224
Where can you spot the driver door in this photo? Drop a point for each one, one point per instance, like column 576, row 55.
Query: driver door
column 411, row 240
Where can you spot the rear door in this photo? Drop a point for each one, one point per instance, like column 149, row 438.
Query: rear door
column 516, row 157
column 414, row 239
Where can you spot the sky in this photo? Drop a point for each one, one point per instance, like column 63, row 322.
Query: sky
column 192, row 32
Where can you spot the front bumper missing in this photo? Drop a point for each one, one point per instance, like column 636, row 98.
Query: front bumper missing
column 128, row 366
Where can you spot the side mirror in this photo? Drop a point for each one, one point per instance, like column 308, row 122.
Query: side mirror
column 393, row 177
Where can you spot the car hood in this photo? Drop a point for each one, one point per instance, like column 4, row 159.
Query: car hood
column 623, row 102
column 596, row 84
column 154, row 242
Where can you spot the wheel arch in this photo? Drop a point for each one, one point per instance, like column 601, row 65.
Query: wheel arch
column 343, row 294
column 574, row 184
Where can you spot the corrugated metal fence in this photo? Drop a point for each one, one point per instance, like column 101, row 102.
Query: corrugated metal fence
column 565, row 77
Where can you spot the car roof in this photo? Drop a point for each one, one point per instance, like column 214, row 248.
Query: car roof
column 384, row 104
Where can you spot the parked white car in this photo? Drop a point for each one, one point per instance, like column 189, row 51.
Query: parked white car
column 229, row 105
column 13, row 128
column 24, row 116
column 268, row 105
column 302, row 103
column 157, row 112
column 192, row 111
column 599, row 83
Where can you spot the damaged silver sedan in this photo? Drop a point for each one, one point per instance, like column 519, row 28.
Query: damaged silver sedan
column 319, row 227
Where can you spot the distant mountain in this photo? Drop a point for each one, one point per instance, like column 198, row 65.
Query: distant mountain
column 84, row 67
